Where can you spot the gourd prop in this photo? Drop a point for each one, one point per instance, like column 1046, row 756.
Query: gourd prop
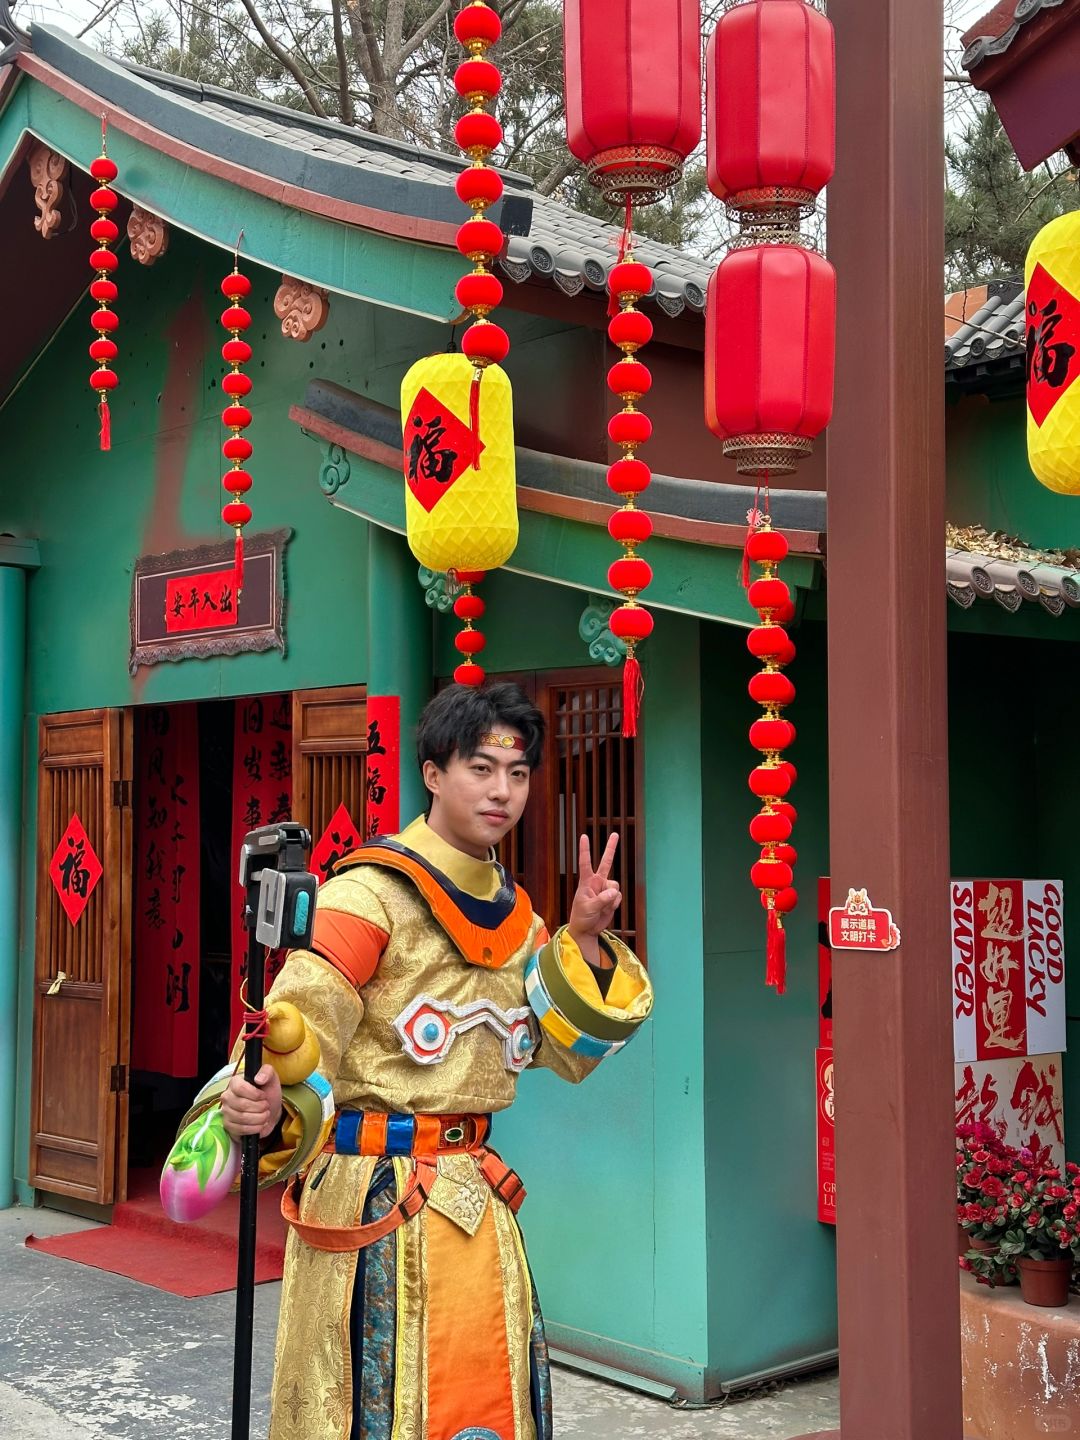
column 204, row 1163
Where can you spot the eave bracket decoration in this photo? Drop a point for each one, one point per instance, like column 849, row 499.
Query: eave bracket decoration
column 49, row 176
column 594, row 627
column 302, row 309
column 148, row 235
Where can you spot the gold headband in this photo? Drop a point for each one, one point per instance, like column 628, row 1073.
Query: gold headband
column 502, row 742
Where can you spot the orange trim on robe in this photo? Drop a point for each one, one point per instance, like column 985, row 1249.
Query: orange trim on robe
column 490, row 949
column 468, row 1360
column 352, row 945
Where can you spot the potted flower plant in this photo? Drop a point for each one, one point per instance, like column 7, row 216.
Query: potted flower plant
column 1038, row 1234
column 983, row 1164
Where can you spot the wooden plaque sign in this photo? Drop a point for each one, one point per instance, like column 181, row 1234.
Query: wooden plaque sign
column 184, row 604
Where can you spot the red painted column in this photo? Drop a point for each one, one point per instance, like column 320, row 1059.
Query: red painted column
column 888, row 742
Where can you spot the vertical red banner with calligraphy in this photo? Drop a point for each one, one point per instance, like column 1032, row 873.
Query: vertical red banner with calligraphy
column 262, row 795
column 383, row 765
column 1000, row 963
column 165, row 926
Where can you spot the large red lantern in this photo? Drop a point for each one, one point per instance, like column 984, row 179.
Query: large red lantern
column 633, row 92
column 770, row 345
column 771, row 110
column 770, row 335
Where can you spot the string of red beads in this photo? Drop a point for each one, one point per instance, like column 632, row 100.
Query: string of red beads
column 236, row 416
column 772, row 778
column 478, row 81
column 103, row 289
column 629, row 378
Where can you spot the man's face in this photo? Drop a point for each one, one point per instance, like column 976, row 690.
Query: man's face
column 479, row 800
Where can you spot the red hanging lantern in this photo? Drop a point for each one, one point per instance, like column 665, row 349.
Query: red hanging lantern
column 478, row 81
column 103, row 290
column 772, row 778
column 770, row 335
column 629, row 527
column 633, row 92
column 770, row 110
column 633, row 115
column 236, row 416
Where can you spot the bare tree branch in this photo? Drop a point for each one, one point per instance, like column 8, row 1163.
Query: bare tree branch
column 419, row 36
column 348, row 114
column 280, row 53
column 560, row 171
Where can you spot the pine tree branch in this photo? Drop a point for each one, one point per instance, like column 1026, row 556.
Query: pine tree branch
column 280, row 53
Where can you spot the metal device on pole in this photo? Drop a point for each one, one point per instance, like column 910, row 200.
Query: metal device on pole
column 279, row 910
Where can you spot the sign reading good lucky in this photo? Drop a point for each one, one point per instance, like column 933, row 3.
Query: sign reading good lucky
column 1008, row 956
column 186, row 605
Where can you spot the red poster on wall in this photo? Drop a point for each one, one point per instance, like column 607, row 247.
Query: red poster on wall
column 165, row 926
column 383, row 765
column 262, row 795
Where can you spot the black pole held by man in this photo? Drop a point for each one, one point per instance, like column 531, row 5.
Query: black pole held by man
column 279, row 909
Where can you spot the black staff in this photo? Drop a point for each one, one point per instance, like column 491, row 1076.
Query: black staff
column 279, row 909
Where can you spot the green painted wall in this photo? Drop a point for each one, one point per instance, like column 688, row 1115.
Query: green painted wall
column 771, row 1264
column 990, row 481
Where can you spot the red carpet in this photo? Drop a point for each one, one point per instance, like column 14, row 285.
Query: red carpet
column 190, row 1260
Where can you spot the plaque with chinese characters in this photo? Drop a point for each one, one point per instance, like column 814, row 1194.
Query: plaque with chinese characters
column 186, row 605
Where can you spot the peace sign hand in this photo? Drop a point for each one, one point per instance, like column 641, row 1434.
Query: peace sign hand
column 597, row 898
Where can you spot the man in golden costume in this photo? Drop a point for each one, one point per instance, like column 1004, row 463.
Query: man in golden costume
column 408, row 1310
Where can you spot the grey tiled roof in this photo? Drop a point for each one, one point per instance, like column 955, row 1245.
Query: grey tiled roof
column 1011, row 584
column 994, row 332
column 561, row 245
column 985, row 47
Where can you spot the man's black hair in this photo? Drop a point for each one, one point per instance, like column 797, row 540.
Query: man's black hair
column 457, row 717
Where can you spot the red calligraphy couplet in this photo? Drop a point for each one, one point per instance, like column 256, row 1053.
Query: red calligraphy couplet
column 1000, row 963
column 382, row 765
column 206, row 601
column 262, row 795
column 826, row 1137
column 165, row 925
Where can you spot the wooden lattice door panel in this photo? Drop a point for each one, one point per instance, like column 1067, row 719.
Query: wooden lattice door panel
column 329, row 749
column 593, row 787
column 81, row 1032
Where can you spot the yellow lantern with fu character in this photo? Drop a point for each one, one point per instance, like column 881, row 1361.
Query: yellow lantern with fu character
column 1052, row 279
column 460, row 490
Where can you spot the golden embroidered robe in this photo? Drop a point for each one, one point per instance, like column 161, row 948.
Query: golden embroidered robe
column 411, row 1025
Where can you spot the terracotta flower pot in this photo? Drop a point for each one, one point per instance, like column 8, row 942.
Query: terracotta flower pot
column 1045, row 1282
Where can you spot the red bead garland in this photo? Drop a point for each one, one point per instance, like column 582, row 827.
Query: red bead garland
column 629, row 329
column 103, row 289
column 477, row 80
column 773, row 777
column 236, row 416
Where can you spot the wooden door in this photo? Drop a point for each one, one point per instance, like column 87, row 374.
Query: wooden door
column 329, row 749
column 82, row 1022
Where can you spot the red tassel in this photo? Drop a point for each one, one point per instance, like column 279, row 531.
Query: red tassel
column 474, row 417
column 238, row 564
column 775, row 951
column 633, row 688
column 105, row 436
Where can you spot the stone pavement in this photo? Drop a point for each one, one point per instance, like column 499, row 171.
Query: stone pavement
column 85, row 1355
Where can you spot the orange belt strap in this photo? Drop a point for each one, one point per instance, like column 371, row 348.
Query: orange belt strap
column 339, row 1238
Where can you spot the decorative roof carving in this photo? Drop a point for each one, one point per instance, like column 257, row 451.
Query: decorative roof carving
column 49, row 176
column 148, row 234
column 302, row 308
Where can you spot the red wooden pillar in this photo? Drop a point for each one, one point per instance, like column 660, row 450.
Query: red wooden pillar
column 888, row 743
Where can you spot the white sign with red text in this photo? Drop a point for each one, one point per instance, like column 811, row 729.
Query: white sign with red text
column 1008, row 959
column 1019, row 1099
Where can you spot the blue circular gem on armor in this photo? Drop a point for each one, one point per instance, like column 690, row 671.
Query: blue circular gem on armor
column 476, row 1432
column 524, row 1042
column 432, row 1032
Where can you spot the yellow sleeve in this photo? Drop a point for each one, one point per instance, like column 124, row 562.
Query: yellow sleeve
column 580, row 1027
